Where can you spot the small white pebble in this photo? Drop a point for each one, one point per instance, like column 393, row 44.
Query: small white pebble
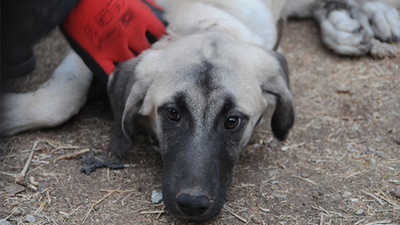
column 346, row 194
column 360, row 212
column 156, row 196
column 30, row 219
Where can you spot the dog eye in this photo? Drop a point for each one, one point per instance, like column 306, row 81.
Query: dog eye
column 172, row 114
column 232, row 122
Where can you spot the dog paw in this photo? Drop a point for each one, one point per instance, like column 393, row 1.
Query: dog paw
column 344, row 34
column 383, row 19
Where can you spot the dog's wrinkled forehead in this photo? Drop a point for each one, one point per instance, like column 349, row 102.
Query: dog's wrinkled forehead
column 202, row 93
column 207, row 69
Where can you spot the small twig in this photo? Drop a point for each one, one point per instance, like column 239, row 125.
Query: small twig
column 326, row 211
column 48, row 197
column 9, row 174
column 333, row 134
column 234, row 214
column 321, row 220
column 21, row 176
column 359, row 221
column 28, row 151
column 306, row 179
column 64, row 213
column 152, row 212
column 39, row 161
column 69, row 204
column 353, row 174
column 373, row 196
column 43, row 191
column 160, row 213
column 264, row 210
column 137, row 210
column 54, row 222
column 73, row 211
column 321, row 209
column 73, row 155
column 11, row 214
column 52, row 143
column 123, row 200
column 380, row 222
column 116, row 190
column 33, row 181
column 387, row 199
column 267, row 180
column 307, row 126
column 20, row 153
column 284, row 148
column 64, row 147
column 41, row 207
column 99, row 201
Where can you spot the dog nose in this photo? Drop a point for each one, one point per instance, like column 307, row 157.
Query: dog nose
column 193, row 205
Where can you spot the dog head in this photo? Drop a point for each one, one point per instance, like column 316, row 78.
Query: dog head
column 202, row 95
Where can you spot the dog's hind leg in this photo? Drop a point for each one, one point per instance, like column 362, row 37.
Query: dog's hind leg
column 53, row 103
column 348, row 27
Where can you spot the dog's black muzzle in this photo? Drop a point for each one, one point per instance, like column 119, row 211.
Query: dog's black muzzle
column 196, row 180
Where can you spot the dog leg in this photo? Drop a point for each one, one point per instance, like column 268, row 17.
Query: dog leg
column 342, row 28
column 55, row 101
column 384, row 20
column 348, row 27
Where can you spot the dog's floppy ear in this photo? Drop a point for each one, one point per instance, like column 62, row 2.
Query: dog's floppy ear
column 125, row 100
column 276, row 83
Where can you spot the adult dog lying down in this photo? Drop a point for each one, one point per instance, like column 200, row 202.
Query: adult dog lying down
column 204, row 87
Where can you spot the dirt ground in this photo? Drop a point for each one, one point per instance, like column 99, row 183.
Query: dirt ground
column 340, row 165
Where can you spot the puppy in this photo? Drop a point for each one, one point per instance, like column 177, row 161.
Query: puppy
column 202, row 90
column 204, row 87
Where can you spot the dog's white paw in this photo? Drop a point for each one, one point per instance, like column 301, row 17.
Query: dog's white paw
column 383, row 19
column 345, row 35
